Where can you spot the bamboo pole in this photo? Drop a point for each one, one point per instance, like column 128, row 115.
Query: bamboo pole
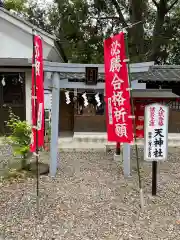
column 118, row 148
column 134, row 124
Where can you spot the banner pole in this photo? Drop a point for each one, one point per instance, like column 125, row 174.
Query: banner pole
column 36, row 130
column 118, row 148
column 134, row 126
column 154, row 178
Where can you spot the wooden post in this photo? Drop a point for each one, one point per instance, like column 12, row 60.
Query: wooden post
column 154, row 178
column 127, row 159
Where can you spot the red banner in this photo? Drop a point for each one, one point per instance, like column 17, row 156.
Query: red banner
column 37, row 95
column 118, row 108
column 139, row 105
column 139, row 108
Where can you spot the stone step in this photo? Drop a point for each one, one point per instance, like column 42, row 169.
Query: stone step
column 173, row 139
column 99, row 141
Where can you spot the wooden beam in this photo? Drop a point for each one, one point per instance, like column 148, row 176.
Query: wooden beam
column 81, row 68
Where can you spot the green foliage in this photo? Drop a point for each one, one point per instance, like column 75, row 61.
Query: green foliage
column 16, row 5
column 16, row 176
column 81, row 26
column 49, row 133
column 38, row 15
column 79, row 33
column 20, row 136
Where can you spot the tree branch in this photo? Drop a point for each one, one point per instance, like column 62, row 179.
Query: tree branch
column 172, row 5
column 121, row 17
column 155, row 3
column 104, row 18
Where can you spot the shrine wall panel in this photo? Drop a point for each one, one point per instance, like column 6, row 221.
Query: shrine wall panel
column 90, row 123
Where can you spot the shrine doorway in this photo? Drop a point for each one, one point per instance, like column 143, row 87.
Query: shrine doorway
column 12, row 95
column 66, row 116
column 90, row 118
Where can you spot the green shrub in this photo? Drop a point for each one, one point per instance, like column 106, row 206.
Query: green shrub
column 19, row 138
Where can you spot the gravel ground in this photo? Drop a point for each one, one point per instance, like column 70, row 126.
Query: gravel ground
column 90, row 199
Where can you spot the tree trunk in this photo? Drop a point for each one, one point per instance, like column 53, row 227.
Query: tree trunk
column 136, row 33
column 158, row 30
column 137, row 10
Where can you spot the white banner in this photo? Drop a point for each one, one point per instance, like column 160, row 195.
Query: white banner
column 39, row 117
column 47, row 100
column 156, row 132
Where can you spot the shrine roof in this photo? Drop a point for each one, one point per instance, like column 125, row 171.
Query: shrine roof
column 165, row 73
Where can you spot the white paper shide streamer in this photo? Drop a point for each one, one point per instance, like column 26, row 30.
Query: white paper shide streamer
column 84, row 96
column 68, row 101
column 97, row 98
column 85, row 99
column 3, row 81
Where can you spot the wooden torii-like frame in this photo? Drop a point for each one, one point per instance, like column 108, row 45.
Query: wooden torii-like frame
column 56, row 78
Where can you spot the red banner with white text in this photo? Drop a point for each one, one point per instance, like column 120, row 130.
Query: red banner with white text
column 139, row 106
column 37, row 94
column 118, row 107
